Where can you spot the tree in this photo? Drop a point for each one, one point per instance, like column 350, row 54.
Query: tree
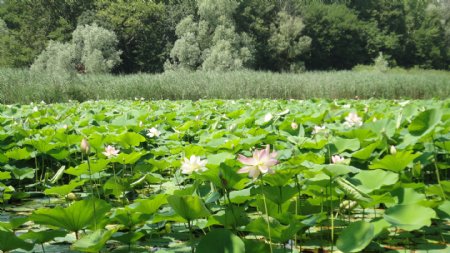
column 96, row 48
column 92, row 50
column 229, row 50
column 255, row 18
column 339, row 39
column 32, row 23
column 142, row 28
column 287, row 41
column 58, row 60
column 210, row 42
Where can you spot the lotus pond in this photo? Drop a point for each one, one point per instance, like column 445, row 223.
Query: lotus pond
column 225, row 176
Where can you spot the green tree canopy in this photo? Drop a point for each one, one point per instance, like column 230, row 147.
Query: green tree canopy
column 91, row 50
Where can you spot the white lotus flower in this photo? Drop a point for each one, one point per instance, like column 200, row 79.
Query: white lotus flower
column 318, row 129
column 193, row 164
column 153, row 132
column 268, row 117
column 336, row 159
column 393, row 150
column 353, row 120
column 110, row 151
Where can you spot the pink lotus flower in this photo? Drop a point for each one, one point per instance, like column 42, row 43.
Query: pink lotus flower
column 110, row 151
column 194, row 164
column 260, row 163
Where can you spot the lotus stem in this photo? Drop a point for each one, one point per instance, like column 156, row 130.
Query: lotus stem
column 92, row 191
column 267, row 216
column 331, row 213
column 191, row 236
column 438, row 176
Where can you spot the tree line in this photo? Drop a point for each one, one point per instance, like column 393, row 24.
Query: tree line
column 95, row 36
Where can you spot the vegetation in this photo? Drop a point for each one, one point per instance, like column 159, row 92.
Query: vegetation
column 274, row 35
column 22, row 86
column 248, row 175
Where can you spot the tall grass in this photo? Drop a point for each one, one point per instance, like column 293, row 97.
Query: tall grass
column 21, row 86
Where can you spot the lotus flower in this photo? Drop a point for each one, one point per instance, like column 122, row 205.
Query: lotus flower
column 194, row 164
column 318, row 129
column 110, row 151
column 153, row 132
column 84, row 146
column 294, row 126
column 268, row 117
column 336, row 159
column 260, row 163
column 353, row 120
column 393, row 150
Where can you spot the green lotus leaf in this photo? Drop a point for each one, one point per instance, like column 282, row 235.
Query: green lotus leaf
column 149, row 206
column 96, row 166
column 396, row 162
column 341, row 144
column 278, row 232
column 21, row 173
column 366, row 152
column 256, row 246
column 334, row 170
column 131, row 158
column 18, row 154
column 116, row 186
column 409, row 217
column 129, row 237
column 63, row 190
column 5, row 175
column 9, row 241
column 425, row 122
column 280, row 194
column 130, row 139
column 356, row 237
column 13, row 223
column 371, row 180
column 77, row 216
column 217, row 159
column 93, row 242
column 188, row 207
column 220, row 241
column 41, row 237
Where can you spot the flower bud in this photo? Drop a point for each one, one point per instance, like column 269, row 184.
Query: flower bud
column 294, row 126
column 84, row 146
column 393, row 150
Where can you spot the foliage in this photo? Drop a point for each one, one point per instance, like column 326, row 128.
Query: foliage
column 20, row 86
column 410, row 33
column 95, row 48
column 405, row 188
column 287, row 41
column 143, row 30
column 92, row 50
column 339, row 39
column 211, row 43
column 58, row 59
